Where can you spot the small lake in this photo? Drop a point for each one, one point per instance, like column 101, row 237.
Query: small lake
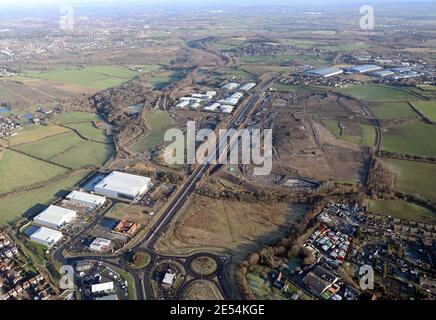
column 4, row 110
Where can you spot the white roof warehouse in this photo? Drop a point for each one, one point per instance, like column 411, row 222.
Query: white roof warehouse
column 325, row 72
column 45, row 236
column 123, row 185
column 55, row 217
column 86, row 199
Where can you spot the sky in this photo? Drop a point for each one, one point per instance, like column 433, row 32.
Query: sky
column 38, row 3
column 24, row 8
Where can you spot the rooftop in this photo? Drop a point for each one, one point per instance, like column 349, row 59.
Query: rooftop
column 46, row 234
column 100, row 287
column 55, row 215
column 85, row 197
column 325, row 72
column 365, row 68
column 123, row 183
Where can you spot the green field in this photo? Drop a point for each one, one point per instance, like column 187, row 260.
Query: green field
column 372, row 92
column 29, row 203
column 89, row 131
column 345, row 47
column 367, row 138
column 401, row 209
column 414, row 177
column 417, row 138
column 392, row 110
column 428, row 108
column 86, row 153
column 73, row 117
column 227, row 73
column 17, row 170
column 369, row 134
column 158, row 122
column 283, row 59
column 97, row 77
column 161, row 80
column 34, row 133
column 52, row 146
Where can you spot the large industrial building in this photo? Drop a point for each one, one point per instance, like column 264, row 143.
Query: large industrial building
column 45, row 236
column 231, row 86
column 364, row 68
column 85, row 199
column 247, row 86
column 325, row 72
column 55, row 217
column 122, row 185
column 382, row 73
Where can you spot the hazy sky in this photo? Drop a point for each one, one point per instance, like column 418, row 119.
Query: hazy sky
column 24, row 7
column 169, row 2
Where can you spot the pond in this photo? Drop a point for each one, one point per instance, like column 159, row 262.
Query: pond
column 4, row 110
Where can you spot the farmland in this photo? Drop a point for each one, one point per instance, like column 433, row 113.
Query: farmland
column 74, row 117
column 392, row 110
column 283, row 59
column 158, row 122
column 372, row 92
column 34, row 133
column 416, row 138
column 19, row 170
column 402, row 210
column 31, row 202
column 428, row 108
column 89, row 131
column 414, row 177
column 50, row 147
column 96, row 77
column 85, row 154
column 43, row 156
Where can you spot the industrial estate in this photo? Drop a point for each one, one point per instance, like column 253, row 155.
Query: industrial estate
column 348, row 211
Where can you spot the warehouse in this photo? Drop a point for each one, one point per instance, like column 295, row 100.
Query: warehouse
column 123, row 185
column 364, row 68
column 233, row 100
column 45, row 236
column 183, row 104
column 401, row 69
column 226, row 109
column 325, row 72
column 382, row 73
column 85, row 199
column 231, row 86
column 212, row 107
column 247, row 86
column 55, row 217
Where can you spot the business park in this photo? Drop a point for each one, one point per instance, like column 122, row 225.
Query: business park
column 69, row 215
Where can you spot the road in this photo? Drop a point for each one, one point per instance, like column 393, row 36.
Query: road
column 189, row 187
column 143, row 287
